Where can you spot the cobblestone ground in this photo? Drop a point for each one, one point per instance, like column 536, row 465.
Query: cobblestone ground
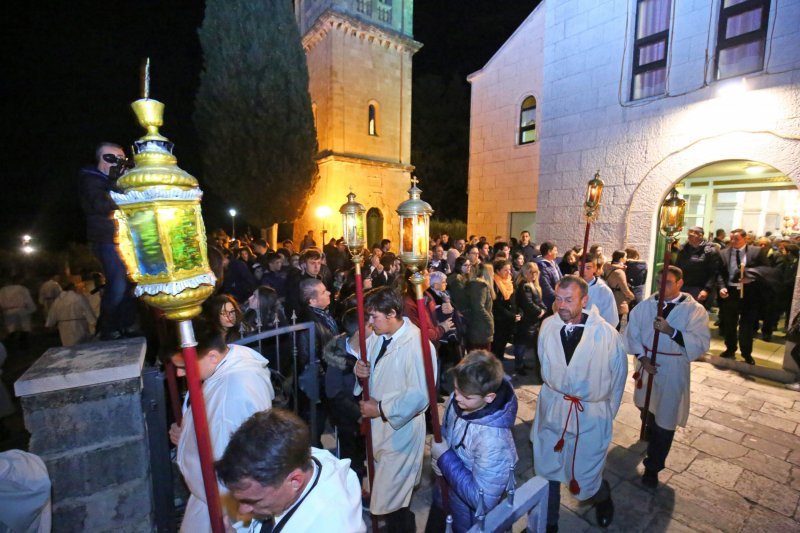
column 735, row 467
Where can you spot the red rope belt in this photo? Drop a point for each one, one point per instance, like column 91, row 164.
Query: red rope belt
column 637, row 376
column 575, row 403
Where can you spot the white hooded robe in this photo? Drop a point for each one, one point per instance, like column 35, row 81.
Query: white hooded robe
column 74, row 316
column 669, row 400
column 239, row 387
column 596, row 376
column 398, row 383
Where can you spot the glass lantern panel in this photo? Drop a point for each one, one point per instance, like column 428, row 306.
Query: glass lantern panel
column 181, row 226
column 406, row 235
column 421, row 235
column 144, row 232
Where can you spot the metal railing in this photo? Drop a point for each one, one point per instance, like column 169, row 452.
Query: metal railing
column 530, row 499
column 305, row 380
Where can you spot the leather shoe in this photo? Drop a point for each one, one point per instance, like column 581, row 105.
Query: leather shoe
column 749, row 359
column 552, row 529
column 728, row 354
column 604, row 512
column 650, row 479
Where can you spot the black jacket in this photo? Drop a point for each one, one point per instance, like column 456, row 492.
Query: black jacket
column 94, row 188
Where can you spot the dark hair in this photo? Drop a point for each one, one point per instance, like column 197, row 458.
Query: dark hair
column 479, row 372
column 209, row 337
column 309, row 254
column 740, row 231
column 266, row 448
column 617, row 256
column 459, row 264
column 546, row 246
column 269, row 308
column 572, row 279
column 675, row 271
column 387, row 259
column 498, row 264
column 260, row 242
column 384, row 300
column 633, row 253
column 384, row 242
column 216, row 304
column 593, row 257
column 350, row 321
column 308, row 289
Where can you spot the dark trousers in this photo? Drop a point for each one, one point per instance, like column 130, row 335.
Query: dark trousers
column 400, row 521
column 738, row 317
column 343, row 414
column 117, row 305
column 554, row 499
column 659, row 442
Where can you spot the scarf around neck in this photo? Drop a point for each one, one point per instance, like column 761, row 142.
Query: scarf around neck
column 506, row 286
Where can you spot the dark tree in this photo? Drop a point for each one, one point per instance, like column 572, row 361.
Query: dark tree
column 253, row 110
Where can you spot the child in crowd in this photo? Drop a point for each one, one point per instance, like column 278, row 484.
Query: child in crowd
column 477, row 449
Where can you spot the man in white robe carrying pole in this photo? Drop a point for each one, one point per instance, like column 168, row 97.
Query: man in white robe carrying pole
column 683, row 337
column 600, row 294
column 584, row 367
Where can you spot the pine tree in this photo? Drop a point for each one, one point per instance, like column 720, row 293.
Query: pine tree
column 253, row 110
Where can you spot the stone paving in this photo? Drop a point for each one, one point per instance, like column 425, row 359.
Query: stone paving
column 735, row 467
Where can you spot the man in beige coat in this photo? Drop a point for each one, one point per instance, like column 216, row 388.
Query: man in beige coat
column 396, row 407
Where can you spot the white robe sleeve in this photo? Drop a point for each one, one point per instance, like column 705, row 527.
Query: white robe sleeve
column 619, row 373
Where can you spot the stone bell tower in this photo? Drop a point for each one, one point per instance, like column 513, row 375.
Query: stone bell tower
column 359, row 64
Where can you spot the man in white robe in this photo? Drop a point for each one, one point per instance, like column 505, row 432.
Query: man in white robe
column 584, row 367
column 600, row 294
column 17, row 306
column 683, row 337
column 48, row 293
column 286, row 485
column 73, row 315
column 399, row 397
column 236, row 384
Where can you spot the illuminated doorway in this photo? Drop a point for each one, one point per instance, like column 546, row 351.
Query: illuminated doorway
column 734, row 194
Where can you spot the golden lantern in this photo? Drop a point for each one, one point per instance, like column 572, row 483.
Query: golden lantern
column 672, row 211
column 161, row 232
column 353, row 224
column 594, row 193
column 415, row 216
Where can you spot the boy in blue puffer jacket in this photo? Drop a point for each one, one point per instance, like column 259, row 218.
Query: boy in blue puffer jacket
column 477, row 449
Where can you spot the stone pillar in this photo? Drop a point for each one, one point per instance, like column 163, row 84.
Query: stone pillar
column 82, row 405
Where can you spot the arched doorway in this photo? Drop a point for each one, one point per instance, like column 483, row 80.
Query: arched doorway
column 374, row 226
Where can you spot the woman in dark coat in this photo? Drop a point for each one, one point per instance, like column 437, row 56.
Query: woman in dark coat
column 528, row 298
column 503, row 307
column 479, row 292
column 457, row 283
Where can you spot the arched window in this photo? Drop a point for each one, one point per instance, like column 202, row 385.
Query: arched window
column 372, row 120
column 527, row 121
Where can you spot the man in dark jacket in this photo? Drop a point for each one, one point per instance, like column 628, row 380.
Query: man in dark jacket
column 550, row 274
column 117, row 306
column 700, row 261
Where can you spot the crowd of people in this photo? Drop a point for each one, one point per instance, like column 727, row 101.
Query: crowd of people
column 569, row 320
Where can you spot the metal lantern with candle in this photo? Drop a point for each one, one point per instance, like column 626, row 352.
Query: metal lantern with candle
column 163, row 243
column 353, row 229
column 591, row 210
column 672, row 211
column 415, row 215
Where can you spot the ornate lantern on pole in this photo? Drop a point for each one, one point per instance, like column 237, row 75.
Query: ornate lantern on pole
column 591, row 209
column 671, row 224
column 415, row 215
column 353, row 229
column 163, row 244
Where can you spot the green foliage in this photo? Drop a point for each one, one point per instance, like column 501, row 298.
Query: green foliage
column 457, row 229
column 253, row 110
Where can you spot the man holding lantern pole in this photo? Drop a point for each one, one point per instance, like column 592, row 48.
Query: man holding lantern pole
column 399, row 398
column 684, row 338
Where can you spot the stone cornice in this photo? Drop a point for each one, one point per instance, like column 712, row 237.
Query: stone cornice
column 329, row 157
column 332, row 20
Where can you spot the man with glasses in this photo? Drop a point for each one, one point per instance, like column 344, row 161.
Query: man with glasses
column 699, row 261
column 117, row 306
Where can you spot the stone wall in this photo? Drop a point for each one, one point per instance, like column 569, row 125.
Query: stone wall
column 502, row 173
column 82, row 406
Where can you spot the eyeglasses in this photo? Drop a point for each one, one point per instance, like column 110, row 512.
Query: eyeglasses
column 231, row 312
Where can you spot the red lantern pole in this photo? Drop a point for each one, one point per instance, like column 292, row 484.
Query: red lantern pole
column 660, row 314
column 198, row 406
column 366, row 424
column 417, row 280
column 585, row 246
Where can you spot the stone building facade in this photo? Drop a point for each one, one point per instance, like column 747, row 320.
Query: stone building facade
column 714, row 82
column 359, row 61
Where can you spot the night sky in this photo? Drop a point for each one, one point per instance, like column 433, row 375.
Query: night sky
column 71, row 70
